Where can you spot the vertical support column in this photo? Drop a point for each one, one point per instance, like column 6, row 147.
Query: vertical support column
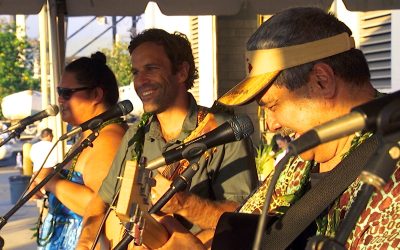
column 44, row 56
column 395, row 84
column 56, row 64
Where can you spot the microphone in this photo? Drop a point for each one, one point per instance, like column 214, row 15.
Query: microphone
column 234, row 129
column 120, row 109
column 51, row 110
column 369, row 116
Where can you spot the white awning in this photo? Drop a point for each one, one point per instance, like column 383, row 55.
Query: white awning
column 183, row 7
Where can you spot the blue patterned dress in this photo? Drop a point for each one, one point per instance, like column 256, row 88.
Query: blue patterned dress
column 61, row 227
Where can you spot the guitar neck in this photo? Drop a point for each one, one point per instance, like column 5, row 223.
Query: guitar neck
column 132, row 207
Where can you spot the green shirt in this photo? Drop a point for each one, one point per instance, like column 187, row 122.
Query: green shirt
column 229, row 173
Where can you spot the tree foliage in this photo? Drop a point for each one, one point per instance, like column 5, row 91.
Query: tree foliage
column 16, row 62
column 119, row 60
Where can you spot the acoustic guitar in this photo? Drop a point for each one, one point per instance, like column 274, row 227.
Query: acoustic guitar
column 236, row 231
column 130, row 212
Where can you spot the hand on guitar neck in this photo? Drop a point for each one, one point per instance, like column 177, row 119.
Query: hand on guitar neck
column 175, row 204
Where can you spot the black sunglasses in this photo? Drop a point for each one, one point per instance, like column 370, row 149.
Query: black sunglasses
column 66, row 93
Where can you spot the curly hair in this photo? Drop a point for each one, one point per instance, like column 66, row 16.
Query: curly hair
column 176, row 46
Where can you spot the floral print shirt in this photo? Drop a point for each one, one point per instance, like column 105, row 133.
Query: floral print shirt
column 379, row 224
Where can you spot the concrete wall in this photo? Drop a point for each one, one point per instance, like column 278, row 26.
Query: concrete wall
column 232, row 35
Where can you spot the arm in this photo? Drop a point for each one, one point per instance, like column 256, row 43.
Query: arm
column 96, row 211
column 191, row 206
column 94, row 163
column 91, row 222
column 233, row 178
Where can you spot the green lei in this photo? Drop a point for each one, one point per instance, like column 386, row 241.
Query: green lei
column 138, row 138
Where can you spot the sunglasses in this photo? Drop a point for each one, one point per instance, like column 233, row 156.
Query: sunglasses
column 66, row 93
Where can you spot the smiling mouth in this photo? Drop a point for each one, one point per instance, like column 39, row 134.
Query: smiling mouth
column 147, row 93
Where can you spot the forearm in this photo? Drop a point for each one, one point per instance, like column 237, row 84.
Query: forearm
column 202, row 212
column 91, row 223
column 74, row 196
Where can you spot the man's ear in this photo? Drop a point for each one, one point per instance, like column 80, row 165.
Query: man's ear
column 322, row 80
column 183, row 72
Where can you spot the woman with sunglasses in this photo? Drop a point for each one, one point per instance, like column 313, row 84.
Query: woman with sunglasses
column 88, row 88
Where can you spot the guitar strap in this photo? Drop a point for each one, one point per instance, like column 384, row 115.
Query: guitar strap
column 205, row 123
column 285, row 230
column 237, row 230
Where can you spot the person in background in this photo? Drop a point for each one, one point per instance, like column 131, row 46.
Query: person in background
column 283, row 143
column 87, row 88
column 41, row 149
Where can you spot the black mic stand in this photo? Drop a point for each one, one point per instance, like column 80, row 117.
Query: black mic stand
column 259, row 237
column 15, row 134
column 57, row 168
column 179, row 184
column 374, row 177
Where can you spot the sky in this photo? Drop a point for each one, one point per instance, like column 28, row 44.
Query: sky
column 86, row 35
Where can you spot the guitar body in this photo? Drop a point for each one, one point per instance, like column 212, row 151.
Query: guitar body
column 236, row 231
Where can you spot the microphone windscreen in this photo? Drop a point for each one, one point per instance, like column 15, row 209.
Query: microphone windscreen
column 126, row 107
column 241, row 126
column 52, row 110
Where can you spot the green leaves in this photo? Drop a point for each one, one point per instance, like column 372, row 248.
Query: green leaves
column 16, row 62
column 119, row 60
column 265, row 158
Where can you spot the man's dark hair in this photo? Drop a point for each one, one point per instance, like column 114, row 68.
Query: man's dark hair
column 305, row 24
column 46, row 132
column 94, row 72
column 176, row 46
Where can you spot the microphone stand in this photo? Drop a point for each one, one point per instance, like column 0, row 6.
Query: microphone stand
column 57, row 168
column 15, row 134
column 179, row 184
column 374, row 177
column 259, row 237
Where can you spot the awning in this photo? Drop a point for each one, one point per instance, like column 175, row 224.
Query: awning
column 183, row 7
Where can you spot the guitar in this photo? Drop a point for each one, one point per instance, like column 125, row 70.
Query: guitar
column 130, row 212
column 236, row 231
column 133, row 197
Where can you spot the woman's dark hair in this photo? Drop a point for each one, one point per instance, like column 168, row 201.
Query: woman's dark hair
column 176, row 46
column 93, row 72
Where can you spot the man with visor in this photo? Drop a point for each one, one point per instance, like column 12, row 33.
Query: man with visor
column 304, row 70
